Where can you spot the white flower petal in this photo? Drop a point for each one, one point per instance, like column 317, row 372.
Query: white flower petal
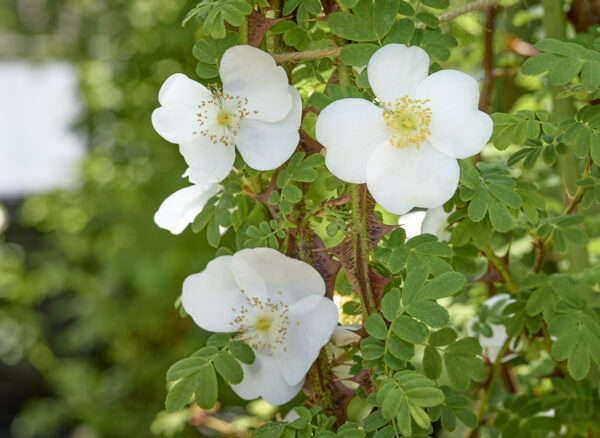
column 266, row 146
column 345, row 335
column 402, row 178
column 208, row 297
column 208, row 162
column 411, row 223
column 179, row 210
column 264, row 378
column 178, row 89
column 435, row 222
column 458, row 128
column 313, row 320
column 351, row 129
column 249, row 72
column 264, row 272
column 394, row 70
column 176, row 123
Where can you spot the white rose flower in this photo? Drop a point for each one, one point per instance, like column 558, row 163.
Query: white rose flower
column 277, row 306
column 405, row 149
column 257, row 111
column 432, row 221
column 180, row 209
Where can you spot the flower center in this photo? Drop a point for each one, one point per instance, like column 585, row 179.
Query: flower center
column 224, row 118
column 262, row 324
column 219, row 117
column 409, row 119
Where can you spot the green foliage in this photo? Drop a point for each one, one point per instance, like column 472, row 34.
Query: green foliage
column 214, row 14
column 403, row 397
column 105, row 286
column 209, row 52
column 196, row 376
column 564, row 61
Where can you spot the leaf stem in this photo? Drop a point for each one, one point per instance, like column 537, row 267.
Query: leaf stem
column 510, row 282
column 490, row 386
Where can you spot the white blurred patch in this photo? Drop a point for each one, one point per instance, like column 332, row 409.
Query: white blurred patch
column 39, row 151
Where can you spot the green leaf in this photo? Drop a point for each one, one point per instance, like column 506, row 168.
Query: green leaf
column 371, row 349
column 578, row 363
column 401, row 32
column 350, row 430
column 384, row 13
column 442, row 337
column 409, row 330
column 181, row 392
column 468, row 174
column 358, row 55
column 351, row 27
column 392, row 403
column 429, row 312
column 432, row 363
column 400, row 349
column 565, row 71
column 375, row 326
column 590, row 75
column 425, row 396
column 185, row 367
column 390, row 304
column 478, row 205
column 428, row 19
column 206, row 389
column 595, row 147
column 292, row 193
column 505, row 195
column 242, row 352
column 462, row 362
column 540, row 63
column 414, row 282
column 228, row 367
column 559, row 240
column 442, row 286
column 436, row 4
column 374, row 421
column 499, row 216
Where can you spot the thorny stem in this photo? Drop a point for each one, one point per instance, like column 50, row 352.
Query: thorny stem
column 488, row 60
column 360, row 248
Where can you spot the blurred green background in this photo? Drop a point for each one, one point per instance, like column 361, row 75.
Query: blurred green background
column 88, row 282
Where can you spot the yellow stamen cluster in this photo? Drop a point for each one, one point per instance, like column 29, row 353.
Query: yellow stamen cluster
column 410, row 119
column 226, row 111
column 262, row 325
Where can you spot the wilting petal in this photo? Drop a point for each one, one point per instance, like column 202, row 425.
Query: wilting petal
column 458, row 128
column 351, row 129
column 209, row 162
column 264, row 272
column 179, row 210
column 266, row 146
column 178, row 89
column 251, row 73
column 210, row 296
column 313, row 319
column 402, row 178
column 395, row 70
column 264, row 378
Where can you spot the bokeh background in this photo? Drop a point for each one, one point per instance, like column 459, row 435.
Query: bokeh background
column 88, row 282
